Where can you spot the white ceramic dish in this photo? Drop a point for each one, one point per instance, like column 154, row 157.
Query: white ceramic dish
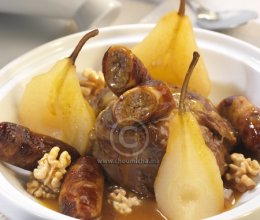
column 234, row 68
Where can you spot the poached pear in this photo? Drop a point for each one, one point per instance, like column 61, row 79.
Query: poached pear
column 52, row 103
column 188, row 185
column 167, row 50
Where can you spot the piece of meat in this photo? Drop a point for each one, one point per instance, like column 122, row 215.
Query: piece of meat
column 23, row 148
column 131, row 154
column 245, row 118
column 81, row 193
column 148, row 101
column 122, row 69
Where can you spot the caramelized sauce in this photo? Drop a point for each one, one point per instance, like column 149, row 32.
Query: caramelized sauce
column 50, row 203
column 229, row 204
column 147, row 210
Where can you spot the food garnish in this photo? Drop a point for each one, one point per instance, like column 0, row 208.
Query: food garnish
column 242, row 172
column 91, row 82
column 245, row 118
column 23, row 148
column 52, row 103
column 149, row 101
column 81, row 194
column 188, row 185
column 47, row 177
column 122, row 202
column 122, row 69
column 167, row 50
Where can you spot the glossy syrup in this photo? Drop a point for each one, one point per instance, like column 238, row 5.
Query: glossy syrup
column 147, row 210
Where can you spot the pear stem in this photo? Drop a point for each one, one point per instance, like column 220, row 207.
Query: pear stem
column 182, row 108
column 181, row 11
column 81, row 43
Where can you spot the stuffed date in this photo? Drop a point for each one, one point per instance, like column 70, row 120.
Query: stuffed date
column 82, row 190
column 21, row 147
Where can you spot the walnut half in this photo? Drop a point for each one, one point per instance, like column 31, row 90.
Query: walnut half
column 121, row 202
column 47, row 177
column 241, row 172
column 91, row 83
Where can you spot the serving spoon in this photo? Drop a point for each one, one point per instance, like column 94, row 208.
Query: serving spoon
column 221, row 20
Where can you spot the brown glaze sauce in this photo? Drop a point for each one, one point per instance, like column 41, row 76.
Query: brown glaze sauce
column 50, row 203
column 147, row 210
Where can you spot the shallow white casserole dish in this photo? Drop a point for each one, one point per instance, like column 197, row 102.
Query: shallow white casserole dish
column 234, row 68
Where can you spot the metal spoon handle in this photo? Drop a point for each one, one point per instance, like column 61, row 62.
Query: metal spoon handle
column 196, row 6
